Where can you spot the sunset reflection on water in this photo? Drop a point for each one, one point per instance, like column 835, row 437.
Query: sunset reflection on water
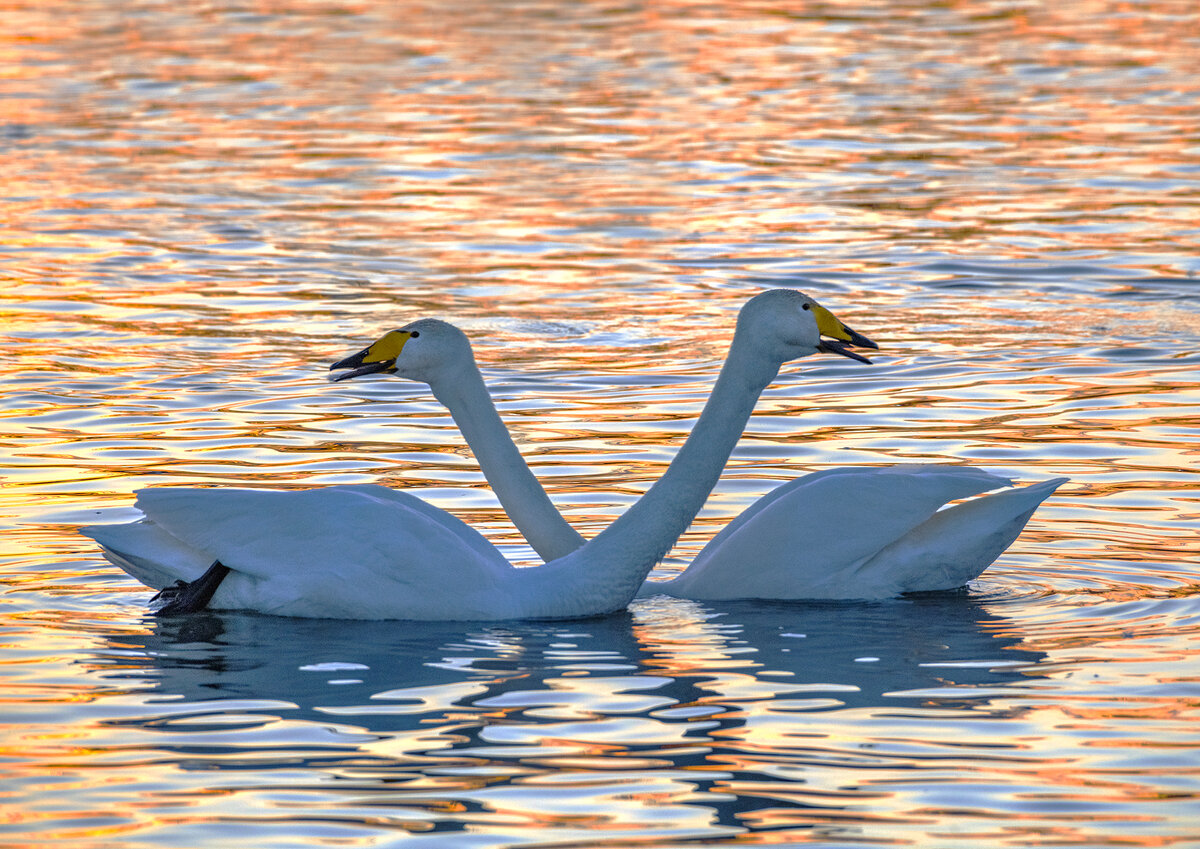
column 204, row 205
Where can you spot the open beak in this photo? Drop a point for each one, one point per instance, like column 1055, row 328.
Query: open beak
column 842, row 345
column 358, row 365
column 377, row 358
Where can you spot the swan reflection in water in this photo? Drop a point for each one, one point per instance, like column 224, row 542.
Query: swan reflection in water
column 707, row 703
column 680, row 655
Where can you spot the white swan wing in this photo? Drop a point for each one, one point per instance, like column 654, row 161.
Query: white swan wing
column 149, row 554
column 807, row 538
column 939, row 481
column 955, row 545
column 344, row 551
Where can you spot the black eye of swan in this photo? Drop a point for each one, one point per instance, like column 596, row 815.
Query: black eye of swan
column 806, row 306
column 414, row 334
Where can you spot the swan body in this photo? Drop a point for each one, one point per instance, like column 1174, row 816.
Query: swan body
column 373, row 553
column 861, row 533
column 329, row 552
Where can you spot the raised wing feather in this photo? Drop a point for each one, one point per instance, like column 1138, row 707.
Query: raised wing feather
column 345, row 551
column 261, row 531
column 148, row 553
column 790, row 542
column 955, row 545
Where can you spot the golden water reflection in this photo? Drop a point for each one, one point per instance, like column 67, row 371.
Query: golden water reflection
column 204, row 205
column 594, row 135
column 610, row 724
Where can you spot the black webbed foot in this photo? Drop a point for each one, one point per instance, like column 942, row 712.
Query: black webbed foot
column 168, row 593
column 190, row 597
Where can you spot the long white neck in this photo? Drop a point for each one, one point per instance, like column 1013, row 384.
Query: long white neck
column 527, row 504
column 607, row 571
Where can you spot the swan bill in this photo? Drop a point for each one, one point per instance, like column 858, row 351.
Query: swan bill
column 358, row 368
column 857, row 339
column 379, row 357
column 841, row 336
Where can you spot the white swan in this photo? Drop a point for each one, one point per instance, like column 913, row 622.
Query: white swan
column 850, row 533
column 373, row 553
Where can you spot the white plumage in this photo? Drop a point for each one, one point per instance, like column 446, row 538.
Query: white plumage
column 369, row 552
column 357, row 552
column 861, row 533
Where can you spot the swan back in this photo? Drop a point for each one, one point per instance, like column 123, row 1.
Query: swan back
column 361, row 551
column 810, row 537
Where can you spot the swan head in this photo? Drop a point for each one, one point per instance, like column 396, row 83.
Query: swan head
column 427, row 351
column 789, row 324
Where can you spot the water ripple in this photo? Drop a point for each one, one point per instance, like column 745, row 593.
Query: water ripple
column 203, row 208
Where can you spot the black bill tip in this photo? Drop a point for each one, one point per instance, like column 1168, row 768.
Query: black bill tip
column 858, row 340
column 832, row 346
column 357, row 367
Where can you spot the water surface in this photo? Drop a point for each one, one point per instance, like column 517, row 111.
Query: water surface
column 205, row 204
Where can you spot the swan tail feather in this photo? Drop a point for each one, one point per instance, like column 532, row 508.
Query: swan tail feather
column 809, row 537
column 147, row 553
column 957, row 544
column 839, row 483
